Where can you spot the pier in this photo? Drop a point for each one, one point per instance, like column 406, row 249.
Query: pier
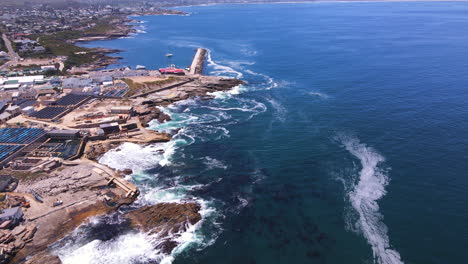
column 198, row 61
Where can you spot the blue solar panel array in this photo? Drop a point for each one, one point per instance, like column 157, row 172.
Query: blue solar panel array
column 116, row 93
column 71, row 99
column 49, row 112
column 7, row 150
column 20, row 135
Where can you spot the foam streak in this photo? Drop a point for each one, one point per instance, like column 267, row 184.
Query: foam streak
column 364, row 196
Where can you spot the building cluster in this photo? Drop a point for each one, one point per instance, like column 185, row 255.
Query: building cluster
column 29, row 92
column 40, row 19
column 25, row 45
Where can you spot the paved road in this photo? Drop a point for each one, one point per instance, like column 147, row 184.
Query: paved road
column 13, row 55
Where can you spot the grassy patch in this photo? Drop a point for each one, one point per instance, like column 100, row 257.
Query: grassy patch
column 60, row 44
column 136, row 87
column 2, row 45
column 26, row 176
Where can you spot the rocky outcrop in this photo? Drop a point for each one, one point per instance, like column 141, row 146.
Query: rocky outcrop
column 11, row 241
column 166, row 221
column 43, row 258
column 83, row 191
column 148, row 111
column 93, row 152
column 205, row 85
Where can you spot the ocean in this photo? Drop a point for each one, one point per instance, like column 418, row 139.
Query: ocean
column 348, row 144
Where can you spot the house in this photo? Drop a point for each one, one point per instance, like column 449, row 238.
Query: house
column 110, row 128
column 64, row 134
column 3, row 105
column 3, row 55
column 74, row 82
column 48, row 67
column 5, row 117
column 121, row 110
column 14, row 214
column 14, row 110
column 55, row 82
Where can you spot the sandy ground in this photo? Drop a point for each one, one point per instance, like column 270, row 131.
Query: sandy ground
column 81, row 189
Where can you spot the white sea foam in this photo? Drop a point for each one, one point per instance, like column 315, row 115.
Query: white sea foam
column 230, row 93
column 222, row 70
column 364, row 194
column 280, row 111
column 138, row 247
column 270, row 82
column 135, row 157
column 212, row 163
column 244, row 105
column 124, row 249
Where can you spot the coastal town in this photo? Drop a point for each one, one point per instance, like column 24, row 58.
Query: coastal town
column 61, row 109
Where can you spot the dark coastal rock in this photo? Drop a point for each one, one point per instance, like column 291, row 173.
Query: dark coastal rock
column 147, row 112
column 126, row 171
column 97, row 150
column 165, row 216
column 167, row 220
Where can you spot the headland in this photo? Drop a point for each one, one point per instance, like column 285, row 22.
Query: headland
column 52, row 180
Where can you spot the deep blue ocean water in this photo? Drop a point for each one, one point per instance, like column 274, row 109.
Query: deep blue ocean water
column 347, row 145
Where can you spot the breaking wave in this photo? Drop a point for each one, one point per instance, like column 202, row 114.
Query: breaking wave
column 222, row 70
column 134, row 247
column 125, row 249
column 363, row 195
column 212, row 163
column 136, row 157
column 191, row 121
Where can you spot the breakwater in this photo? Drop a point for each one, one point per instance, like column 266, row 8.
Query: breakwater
column 198, row 61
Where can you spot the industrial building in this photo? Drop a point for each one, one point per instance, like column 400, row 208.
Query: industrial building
column 63, row 134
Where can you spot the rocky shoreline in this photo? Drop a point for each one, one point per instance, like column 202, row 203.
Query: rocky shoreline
column 86, row 188
column 83, row 186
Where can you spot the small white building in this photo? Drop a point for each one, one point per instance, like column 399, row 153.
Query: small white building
column 121, row 110
column 11, row 87
column 5, row 117
column 11, row 214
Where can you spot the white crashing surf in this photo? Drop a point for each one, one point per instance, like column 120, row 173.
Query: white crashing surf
column 212, row 163
column 124, row 249
column 137, row 158
column 228, row 94
column 222, row 70
column 364, row 194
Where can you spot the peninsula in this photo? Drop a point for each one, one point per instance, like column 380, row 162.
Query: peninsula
column 51, row 180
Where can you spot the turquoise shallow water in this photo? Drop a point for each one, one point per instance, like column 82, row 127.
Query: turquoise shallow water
column 347, row 145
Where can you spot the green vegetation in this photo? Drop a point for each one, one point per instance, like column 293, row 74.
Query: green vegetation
column 136, row 87
column 26, row 176
column 61, row 44
column 2, row 45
